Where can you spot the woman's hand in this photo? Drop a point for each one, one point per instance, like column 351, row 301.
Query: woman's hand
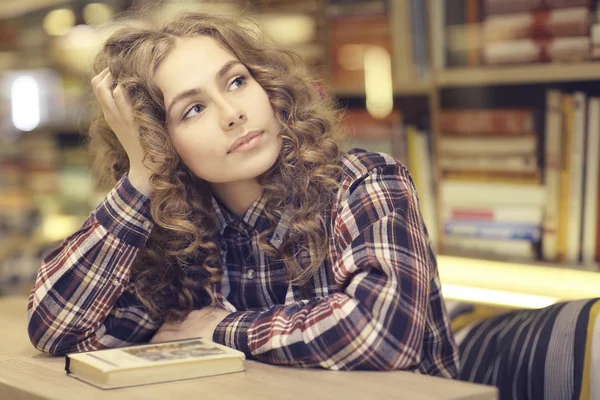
column 199, row 323
column 118, row 114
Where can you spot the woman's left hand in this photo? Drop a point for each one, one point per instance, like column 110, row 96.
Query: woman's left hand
column 199, row 323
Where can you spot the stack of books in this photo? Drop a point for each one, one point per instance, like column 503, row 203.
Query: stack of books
column 529, row 31
column 491, row 191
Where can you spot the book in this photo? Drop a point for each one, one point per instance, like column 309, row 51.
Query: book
column 477, row 193
column 488, row 145
column 504, row 213
column 501, row 163
column 574, row 48
column 493, row 230
column 493, row 122
column 515, row 6
column 538, row 24
column 576, row 178
column 514, row 249
column 153, row 363
column 552, row 173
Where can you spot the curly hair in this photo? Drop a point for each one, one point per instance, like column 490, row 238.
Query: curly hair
column 176, row 270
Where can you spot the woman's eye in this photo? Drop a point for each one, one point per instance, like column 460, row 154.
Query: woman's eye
column 239, row 81
column 196, row 108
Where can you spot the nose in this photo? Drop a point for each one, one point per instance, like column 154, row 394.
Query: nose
column 232, row 115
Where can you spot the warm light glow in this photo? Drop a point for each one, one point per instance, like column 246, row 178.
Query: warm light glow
column 59, row 22
column 288, row 29
column 351, row 57
column 25, row 103
column 97, row 14
column 378, row 82
column 495, row 297
column 56, row 227
column 500, row 283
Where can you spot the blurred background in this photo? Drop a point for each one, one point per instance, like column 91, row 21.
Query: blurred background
column 494, row 105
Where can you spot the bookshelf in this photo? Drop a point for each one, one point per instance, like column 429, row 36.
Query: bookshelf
column 445, row 80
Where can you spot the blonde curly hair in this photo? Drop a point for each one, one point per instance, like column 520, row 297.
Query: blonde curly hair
column 176, row 270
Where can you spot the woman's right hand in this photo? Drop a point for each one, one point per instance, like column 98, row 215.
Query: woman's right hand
column 118, row 114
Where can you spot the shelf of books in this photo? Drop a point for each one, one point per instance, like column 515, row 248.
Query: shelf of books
column 513, row 180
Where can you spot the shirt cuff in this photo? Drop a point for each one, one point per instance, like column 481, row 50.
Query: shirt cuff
column 233, row 331
column 125, row 213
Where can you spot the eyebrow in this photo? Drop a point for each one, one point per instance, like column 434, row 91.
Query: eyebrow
column 194, row 91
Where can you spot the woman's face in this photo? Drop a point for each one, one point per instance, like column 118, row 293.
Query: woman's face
column 219, row 118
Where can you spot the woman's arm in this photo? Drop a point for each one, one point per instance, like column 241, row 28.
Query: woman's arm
column 389, row 315
column 83, row 298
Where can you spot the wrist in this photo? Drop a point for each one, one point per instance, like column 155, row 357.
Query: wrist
column 140, row 181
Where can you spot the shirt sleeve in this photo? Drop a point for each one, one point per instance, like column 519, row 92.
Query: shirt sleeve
column 83, row 298
column 386, row 269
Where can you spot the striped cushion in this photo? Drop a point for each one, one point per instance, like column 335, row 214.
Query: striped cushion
column 549, row 353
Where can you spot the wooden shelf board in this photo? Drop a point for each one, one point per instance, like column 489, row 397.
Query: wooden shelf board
column 505, row 75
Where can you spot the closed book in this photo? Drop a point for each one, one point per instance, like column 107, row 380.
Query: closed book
column 493, row 230
column 503, row 163
column 511, row 178
column 487, row 145
column 538, row 24
column 503, row 213
column 516, row 6
column 153, row 363
column 469, row 193
column 575, row 48
column 568, row 124
column 552, row 173
column 513, row 249
column 493, row 122
column 574, row 234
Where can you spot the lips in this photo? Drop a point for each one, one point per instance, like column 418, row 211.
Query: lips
column 244, row 138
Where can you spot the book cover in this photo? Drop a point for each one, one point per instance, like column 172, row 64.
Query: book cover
column 153, row 363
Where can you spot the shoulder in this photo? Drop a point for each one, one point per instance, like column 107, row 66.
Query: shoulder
column 360, row 166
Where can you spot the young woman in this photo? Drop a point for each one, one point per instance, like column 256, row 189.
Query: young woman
column 235, row 217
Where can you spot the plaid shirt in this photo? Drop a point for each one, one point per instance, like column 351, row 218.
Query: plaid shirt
column 375, row 303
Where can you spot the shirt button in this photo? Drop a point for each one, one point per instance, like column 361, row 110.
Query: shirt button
column 250, row 274
column 116, row 282
column 277, row 238
column 147, row 225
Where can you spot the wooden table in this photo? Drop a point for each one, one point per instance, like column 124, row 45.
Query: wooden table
column 26, row 373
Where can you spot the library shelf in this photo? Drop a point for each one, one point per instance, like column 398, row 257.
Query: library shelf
column 518, row 74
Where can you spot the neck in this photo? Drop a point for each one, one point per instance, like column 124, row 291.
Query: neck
column 237, row 196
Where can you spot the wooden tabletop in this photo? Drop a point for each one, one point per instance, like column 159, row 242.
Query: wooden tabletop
column 26, row 373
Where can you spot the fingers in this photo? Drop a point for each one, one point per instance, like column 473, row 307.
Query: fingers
column 112, row 98
column 122, row 103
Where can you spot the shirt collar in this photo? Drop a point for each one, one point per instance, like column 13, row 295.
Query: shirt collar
column 253, row 219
